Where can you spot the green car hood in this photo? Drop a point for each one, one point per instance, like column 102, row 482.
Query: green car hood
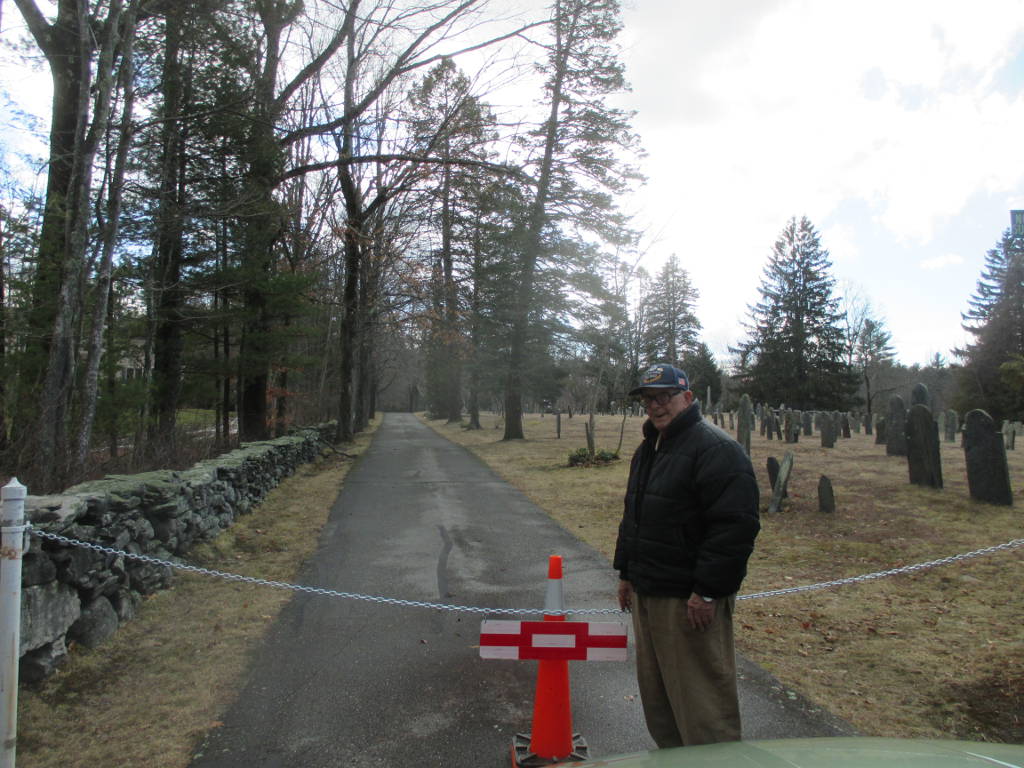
column 833, row 752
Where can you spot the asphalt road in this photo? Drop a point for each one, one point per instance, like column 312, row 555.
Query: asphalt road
column 340, row 682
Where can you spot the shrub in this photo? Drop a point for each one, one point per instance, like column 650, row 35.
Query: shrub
column 581, row 458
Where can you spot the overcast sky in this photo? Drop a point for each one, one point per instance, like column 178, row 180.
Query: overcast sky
column 897, row 128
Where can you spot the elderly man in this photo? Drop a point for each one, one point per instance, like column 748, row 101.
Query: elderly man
column 690, row 520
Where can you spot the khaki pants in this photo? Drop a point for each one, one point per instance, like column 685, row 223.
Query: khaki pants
column 687, row 677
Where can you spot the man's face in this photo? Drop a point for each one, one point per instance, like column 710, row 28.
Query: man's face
column 663, row 405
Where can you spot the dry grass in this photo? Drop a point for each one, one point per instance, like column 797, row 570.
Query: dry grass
column 937, row 653
column 147, row 696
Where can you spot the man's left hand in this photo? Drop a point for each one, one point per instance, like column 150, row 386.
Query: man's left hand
column 699, row 612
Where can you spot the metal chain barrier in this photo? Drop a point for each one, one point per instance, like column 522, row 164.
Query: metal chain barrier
column 1015, row 543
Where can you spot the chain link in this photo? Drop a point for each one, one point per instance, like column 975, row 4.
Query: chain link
column 180, row 566
column 883, row 574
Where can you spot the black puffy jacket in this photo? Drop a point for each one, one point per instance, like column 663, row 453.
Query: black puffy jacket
column 691, row 513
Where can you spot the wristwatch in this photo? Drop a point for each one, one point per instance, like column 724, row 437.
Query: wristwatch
column 707, row 599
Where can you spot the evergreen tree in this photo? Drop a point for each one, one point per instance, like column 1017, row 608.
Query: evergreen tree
column 576, row 165
column 996, row 320
column 672, row 324
column 871, row 353
column 703, row 372
column 795, row 352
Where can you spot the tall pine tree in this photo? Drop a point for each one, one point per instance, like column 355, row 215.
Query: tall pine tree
column 795, row 352
column 996, row 320
column 672, row 324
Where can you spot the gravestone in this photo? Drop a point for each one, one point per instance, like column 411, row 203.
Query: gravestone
column 923, row 447
column 919, row 395
column 769, row 423
column 826, row 496
column 773, row 474
column 791, row 427
column 988, row 475
column 732, row 420
column 881, row 427
column 940, row 420
column 855, row 422
column 777, row 422
column 845, row 422
column 808, row 423
column 1009, row 435
column 828, row 433
column 744, row 423
column 868, row 422
column 780, row 483
column 952, row 425
column 837, row 425
column 896, row 428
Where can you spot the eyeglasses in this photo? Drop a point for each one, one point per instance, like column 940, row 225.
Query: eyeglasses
column 661, row 398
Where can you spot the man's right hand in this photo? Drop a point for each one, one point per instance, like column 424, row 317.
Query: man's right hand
column 625, row 596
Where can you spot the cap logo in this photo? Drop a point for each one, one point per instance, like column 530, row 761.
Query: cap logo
column 652, row 374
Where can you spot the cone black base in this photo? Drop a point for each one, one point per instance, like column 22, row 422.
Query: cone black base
column 522, row 757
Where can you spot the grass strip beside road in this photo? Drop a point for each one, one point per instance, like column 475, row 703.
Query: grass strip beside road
column 939, row 653
column 148, row 695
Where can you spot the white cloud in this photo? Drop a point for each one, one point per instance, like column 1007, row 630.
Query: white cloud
column 940, row 262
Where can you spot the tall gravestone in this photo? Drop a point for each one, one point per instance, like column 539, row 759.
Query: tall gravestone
column 919, row 395
column 952, row 425
column 791, row 427
column 923, row 458
column 988, row 475
column 880, row 429
column 780, row 483
column 744, row 423
column 896, row 428
column 826, row 496
column 808, row 423
column 844, row 421
column 773, row 474
column 828, row 432
column 868, row 423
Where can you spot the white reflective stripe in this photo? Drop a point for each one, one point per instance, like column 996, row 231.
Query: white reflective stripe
column 606, row 628
column 606, row 654
column 499, row 652
column 500, row 627
column 554, row 641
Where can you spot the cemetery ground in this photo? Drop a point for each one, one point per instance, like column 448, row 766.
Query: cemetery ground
column 937, row 653
column 146, row 696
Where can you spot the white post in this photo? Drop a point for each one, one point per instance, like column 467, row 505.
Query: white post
column 12, row 525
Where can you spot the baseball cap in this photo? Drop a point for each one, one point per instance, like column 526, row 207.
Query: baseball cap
column 661, row 376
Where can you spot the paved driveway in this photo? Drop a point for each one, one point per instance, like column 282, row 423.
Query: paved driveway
column 346, row 683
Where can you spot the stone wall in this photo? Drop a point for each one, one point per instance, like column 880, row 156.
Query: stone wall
column 81, row 595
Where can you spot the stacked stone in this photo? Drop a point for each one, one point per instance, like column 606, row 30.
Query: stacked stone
column 73, row 593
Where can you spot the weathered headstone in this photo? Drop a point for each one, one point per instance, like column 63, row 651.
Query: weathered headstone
column 828, row 432
column 779, row 488
column 769, row 423
column 881, row 427
column 777, row 423
column 896, row 426
column 868, row 423
column 773, row 474
column 744, row 423
column 923, row 447
column 826, row 496
column 808, row 419
column 845, row 422
column 1009, row 434
column 791, row 427
column 988, row 475
column 919, row 395
column 952, row 425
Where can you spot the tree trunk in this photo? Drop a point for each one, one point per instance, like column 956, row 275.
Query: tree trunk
column 102, row 304
column 168, row 342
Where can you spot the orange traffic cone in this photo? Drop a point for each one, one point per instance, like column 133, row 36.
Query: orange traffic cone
column 552, row 739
